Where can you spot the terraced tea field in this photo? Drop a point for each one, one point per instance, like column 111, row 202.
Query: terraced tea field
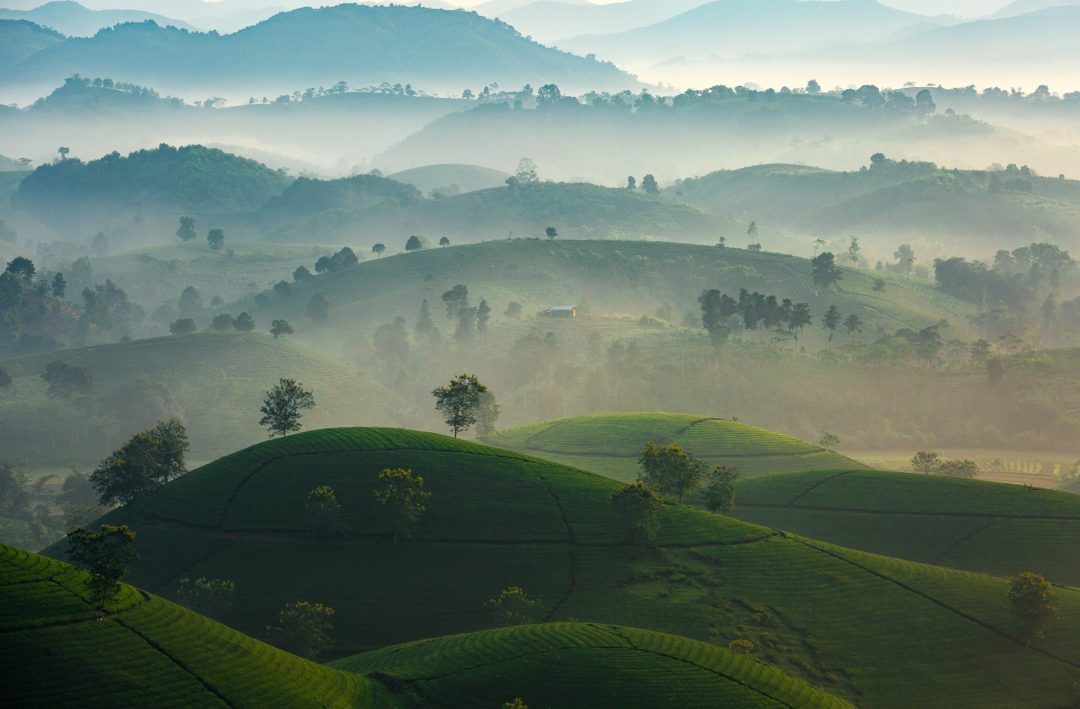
column 595, row 666
column 965, row 524
column 143, row 651
column 610, row 444
column 857, row 625
column 59, row 650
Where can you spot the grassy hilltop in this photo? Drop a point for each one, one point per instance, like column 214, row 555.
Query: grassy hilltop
column 498, row 518
column 965, row 524
column 610, row 444
column 146, row 651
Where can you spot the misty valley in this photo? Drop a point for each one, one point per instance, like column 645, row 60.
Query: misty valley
column 541, row 354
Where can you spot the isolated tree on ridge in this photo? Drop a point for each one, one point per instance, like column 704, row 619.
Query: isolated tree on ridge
column 670, row 469
column 459, row 401
column 186, row 230
column 182, row 326
column 720, row 489
column 378, row 249
column 280, row 328
column 303, row 628
column 649, row 185
column 637, row 506
column 216, row 239
column 283, row 406
column 147, row 461
column 825, row 271
column 106, row 555
column 1031, row 598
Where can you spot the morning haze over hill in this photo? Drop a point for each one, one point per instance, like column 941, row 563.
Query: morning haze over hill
column 540, row 353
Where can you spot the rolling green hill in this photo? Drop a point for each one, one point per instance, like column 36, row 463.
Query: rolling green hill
column 59, row 650
column 584, row 665
column 451, row 179
column 856, row 624
column 146, row 651
column 611, row 276
column 327, row 212
column 965, row 524
column 610, row 444
column 961, row 211
column 136, row 383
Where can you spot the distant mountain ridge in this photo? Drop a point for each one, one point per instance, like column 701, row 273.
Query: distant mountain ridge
column 72, row 19
column 440, row 49
column 734, row 28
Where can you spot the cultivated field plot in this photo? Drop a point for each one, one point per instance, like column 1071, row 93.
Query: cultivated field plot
column 596, row 666
column 610, row 444
column 966, row 524
column 812, row 610
column 59, row 650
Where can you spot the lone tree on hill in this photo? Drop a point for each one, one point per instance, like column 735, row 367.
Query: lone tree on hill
column 825, row 271
column 637, row 506
column 222, row 323
column 378, row 249
column 283, row 406
column 513, row 607
column 631, row 183
column 459, row 402
column 106, row 555
column 829, row 441
column 926, row 462
column 401, row 494
column 1031, row 598
column 318, row 308
column 414, row 243
column 303, row 628
column 244, row 323
column 280, row 328
column 186, row 231
column 670, row 469
column 59, row 286
column 216, row 239
column 853, row 325
column 720, row 489
column 551, row 232
column 444, row 241
column 486, row 414
column 323, row 515
column 146, row 462
column 22, row 267
column 649, row 185
column 832, row 320
column 183, row 326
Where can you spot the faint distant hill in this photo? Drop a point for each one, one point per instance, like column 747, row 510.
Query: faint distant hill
column 1021, row 7
column 1046, row 37
column 730, row 28
column 550, row 20
column 451, row 179
column 21, row 39
column 359, row 44
column 967, row 211
column 74, row 20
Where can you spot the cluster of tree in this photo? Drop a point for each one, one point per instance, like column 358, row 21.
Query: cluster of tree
column 468, row 319
column 303, row 628
column 31, row 315
column 721, row 314
column 343, row 260
column 223, row 322
column 210, row 597
column 672, row 471
column 66, row 381
column 931, row 463
column 648, row 184
column 215, row 238
column 146, row 462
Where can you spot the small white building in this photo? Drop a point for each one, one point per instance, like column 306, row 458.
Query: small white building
column 567, row 312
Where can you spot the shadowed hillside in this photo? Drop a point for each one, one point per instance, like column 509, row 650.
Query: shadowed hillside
column 514, row 520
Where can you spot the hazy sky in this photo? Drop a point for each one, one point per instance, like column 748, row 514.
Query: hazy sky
column 969, row 8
